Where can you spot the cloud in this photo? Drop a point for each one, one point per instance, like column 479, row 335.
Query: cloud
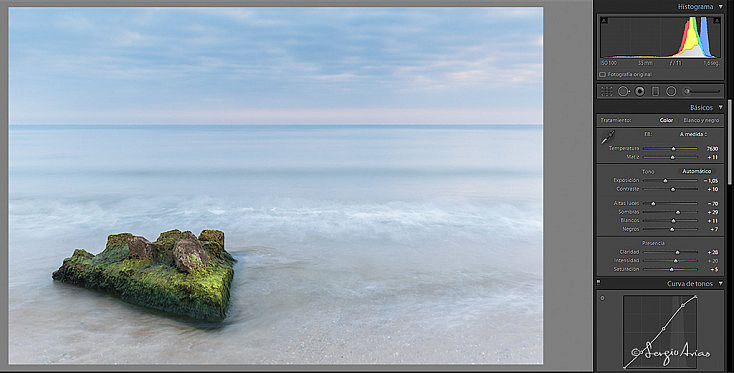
column 295, row 116
column 513, row 12
column 489, row 65
column 74, row 22
column 460, row 61
column 250, row 17
column 128, row 38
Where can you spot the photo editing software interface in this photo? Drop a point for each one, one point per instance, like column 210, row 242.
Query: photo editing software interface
column 467, row 185
column 662, row 173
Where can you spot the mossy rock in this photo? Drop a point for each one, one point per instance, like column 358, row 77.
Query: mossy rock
column 155, row 281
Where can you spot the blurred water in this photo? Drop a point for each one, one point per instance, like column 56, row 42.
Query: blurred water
column 356, row 244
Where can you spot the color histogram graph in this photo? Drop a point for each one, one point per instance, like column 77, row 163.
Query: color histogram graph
column 660, row 37
column 660, row 332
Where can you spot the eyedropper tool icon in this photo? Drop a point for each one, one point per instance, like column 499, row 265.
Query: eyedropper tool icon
column 608, row 137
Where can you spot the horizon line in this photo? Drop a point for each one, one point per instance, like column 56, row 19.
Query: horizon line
column 275, row 124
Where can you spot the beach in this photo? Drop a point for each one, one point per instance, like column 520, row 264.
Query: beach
column 356, row 244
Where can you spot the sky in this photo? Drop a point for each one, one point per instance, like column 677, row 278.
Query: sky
column 275, row 65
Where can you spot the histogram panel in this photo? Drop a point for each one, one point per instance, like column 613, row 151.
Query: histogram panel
column 660, row 37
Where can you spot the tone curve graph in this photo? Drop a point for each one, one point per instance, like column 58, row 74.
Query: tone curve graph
column 649, row 348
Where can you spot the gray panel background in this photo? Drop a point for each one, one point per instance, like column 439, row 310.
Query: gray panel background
column 568, row 123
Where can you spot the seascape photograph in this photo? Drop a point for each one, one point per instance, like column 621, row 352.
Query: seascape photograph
column 377, row 174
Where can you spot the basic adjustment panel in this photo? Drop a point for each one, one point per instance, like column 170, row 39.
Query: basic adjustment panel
column 662, row 130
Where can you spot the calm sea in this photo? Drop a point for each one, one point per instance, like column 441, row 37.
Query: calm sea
column 355, row 244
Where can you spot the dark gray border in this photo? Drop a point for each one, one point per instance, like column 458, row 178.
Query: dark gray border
column 567, row 184
column 4, row 186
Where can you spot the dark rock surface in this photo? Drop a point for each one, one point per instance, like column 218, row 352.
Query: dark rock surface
column 189, row 255
column 140, row 247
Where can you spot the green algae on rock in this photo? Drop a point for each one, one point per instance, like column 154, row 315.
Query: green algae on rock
column 178, row 273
